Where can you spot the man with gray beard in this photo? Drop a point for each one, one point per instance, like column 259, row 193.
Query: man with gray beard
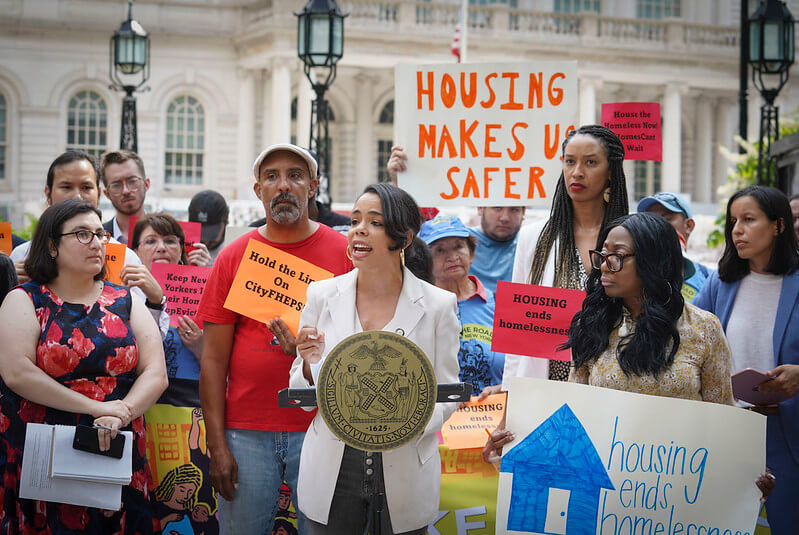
column 253, row 444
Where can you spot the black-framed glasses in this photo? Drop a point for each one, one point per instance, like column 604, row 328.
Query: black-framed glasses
column 85, row 236
column 615, row 261
column 133, row 183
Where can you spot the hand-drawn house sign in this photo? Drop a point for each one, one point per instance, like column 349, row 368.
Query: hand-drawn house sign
column 557, row 478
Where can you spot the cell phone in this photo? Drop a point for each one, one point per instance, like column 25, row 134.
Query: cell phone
column 86, row 439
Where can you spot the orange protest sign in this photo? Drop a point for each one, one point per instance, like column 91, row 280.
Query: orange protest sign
column 5, row 237
column 466, row 427
column 272, row 283
column 114, row 261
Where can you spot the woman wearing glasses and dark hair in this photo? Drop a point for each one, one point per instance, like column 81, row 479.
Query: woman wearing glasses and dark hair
column 75, row 350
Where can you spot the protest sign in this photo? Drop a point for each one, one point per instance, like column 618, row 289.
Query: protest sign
column 5, row 237
column 467, row 426
column 595, row 461
column 183, row 287
column 272, row 283
column 114, row 261
column 534, row 320
column 484, row 134
column 468, row 499
column 638, row 126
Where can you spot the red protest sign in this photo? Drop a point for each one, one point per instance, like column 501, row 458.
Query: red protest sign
column 638, row 125
column 533, row 320
column 183, row 286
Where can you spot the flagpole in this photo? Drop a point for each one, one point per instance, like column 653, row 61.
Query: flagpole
column 464, row 27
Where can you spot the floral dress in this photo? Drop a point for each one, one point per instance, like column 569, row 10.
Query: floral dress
column 90, row 349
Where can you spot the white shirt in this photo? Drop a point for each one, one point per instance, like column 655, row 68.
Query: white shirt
column 750, row 329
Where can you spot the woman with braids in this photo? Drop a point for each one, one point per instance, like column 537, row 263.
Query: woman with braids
column 590, row 193
column 176, row 498
column 635, row 332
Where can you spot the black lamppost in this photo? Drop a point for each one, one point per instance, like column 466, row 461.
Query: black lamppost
column 320, row 44
column 129, row 55
column 771, row 54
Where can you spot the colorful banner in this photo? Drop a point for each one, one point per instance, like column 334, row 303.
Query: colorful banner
column 638, row 126
column 534, row 320
column 272, row 283
column 467, row 505
column 594, row 461
column 5, row 237
column 468, row 426
column 484, row 134
column 183, row 287
column 114, row 261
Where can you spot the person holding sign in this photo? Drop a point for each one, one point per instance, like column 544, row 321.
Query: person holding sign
column 453, row 249
column 590, row 193
column 76, row 350
column 254, row 444
column 338, row 483
column 755, row 294
column 159, row 238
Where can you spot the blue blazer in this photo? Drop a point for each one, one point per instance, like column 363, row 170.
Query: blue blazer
column 719, row 297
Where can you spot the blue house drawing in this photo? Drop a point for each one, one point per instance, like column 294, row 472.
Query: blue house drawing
column 557, row 478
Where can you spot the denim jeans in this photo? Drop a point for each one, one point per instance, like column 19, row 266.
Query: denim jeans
column 265, row 459
column 360, row 478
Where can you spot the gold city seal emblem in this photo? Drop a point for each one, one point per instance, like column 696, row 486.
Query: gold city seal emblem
column 376, row 390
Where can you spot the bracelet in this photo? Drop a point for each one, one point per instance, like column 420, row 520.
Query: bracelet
column 156, row 306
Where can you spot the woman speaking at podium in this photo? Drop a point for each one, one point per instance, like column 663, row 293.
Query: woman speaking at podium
column 338, row 483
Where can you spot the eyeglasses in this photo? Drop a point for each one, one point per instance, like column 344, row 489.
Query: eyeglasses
column 133, row 183
column 615, row 261
column 151, row 242
column 85, row 236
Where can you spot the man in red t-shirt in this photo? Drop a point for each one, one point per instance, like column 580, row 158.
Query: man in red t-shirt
column 255, row 445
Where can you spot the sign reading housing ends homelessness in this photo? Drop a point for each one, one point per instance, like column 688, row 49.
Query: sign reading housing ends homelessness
column 272, row 283
column 638, row 126
column 484, row 134
column 534, row 320
column 183, row 287
column 597, row 461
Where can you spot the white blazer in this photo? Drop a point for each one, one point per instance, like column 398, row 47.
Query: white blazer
column 427, row 316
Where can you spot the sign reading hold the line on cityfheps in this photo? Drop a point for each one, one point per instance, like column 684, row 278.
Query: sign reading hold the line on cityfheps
column 484, row 134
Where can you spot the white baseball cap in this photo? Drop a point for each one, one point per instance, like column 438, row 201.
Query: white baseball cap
column 299, row 151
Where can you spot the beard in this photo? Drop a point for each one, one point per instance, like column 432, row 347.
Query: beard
column 285, row 209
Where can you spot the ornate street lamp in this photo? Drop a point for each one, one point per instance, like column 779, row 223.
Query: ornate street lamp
column 129, row 62
column 771, row 54
column 320, row 45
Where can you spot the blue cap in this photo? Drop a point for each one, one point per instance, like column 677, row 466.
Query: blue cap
column 670, row 201
column 443, row 227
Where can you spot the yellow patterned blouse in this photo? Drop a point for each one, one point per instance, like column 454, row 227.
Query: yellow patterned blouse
column 700, row 371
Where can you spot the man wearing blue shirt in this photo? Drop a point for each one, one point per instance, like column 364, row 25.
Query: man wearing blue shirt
column 496, row 243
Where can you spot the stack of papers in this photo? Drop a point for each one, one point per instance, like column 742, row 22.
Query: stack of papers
column 53, row 471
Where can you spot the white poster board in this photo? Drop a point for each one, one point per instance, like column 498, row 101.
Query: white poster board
column 597, row 461
column 484, row 134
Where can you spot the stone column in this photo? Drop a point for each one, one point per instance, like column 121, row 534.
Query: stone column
column 305, row 96
column 753, row 104
column 365, row 144
column 672, row 137
column 280, row 100
column 245, row 139
column 723, row 135
column 588, row 111
column 703, row 173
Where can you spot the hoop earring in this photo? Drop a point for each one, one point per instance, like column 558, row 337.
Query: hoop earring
column 606, row 195
column 402, row 257
column 348, row 253
column 671, row 290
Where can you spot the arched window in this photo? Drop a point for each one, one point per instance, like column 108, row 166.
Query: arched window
column 87, row 123
column 658, row 9
column 385, row 135
column 185, row 142
column 3, row 138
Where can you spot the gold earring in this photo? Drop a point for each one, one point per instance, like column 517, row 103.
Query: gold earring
column 348, row 253
column 402, row 257
column 606, row 194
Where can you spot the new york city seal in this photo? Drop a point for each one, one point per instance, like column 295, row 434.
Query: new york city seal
column 376, row 390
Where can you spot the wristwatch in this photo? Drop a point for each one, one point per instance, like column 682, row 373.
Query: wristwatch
column 156, row 306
